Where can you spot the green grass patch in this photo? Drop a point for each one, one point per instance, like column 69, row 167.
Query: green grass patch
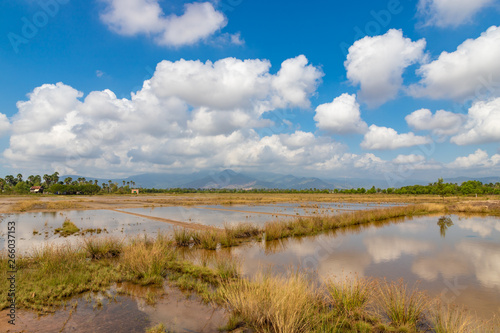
column 68, row 228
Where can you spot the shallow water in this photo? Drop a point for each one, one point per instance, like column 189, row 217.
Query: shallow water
column 127, row 312
column 116, row 225
column 459, row 263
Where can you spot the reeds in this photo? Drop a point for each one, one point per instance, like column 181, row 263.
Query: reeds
column 446, row 318
column 100, row 248
column 403, row 306
column 272, row 304
column 146, row 261
column 350, row 294
column 314, row 225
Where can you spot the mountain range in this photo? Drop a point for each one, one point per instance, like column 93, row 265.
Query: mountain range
column 229, row 179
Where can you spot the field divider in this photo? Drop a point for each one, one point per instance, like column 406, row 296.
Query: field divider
column 189, row 225
column 249, row 212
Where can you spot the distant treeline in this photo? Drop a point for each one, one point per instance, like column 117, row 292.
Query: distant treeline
column 52, row 184
column 471, row 187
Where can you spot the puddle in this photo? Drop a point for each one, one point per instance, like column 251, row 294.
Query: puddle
column 460, row 263
column 124, row 313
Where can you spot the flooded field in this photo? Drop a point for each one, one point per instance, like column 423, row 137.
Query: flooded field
column 35, row 229
column 453, row 257
column 457, row 259
column 125, row 309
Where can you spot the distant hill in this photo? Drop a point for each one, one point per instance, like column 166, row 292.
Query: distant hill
column 230, row 179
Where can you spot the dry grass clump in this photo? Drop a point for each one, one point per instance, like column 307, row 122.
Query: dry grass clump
column 350, row 295
column 100, row 248
column 402, row 306
column 272, row 304
column 446, row 318
column 146, row 261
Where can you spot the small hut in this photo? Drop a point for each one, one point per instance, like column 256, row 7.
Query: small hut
column 36, row 189
column 135, row 191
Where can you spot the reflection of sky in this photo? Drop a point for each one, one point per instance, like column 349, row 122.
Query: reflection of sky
column 117, row 225
column 203, row 216
column 468, row 255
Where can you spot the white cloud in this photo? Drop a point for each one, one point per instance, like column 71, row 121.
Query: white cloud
column 387, row 138
column 448, row 264
column 189, row 115
column 484, row 226
column 231, row 83
column 486, row 260
column 341, row 116
column 377, row 64
column 450, row 13
column 409, row 159
column 389, row 248
column 4, row 125
column 441, row 123
column 472, row 71
column 477, row 159
column 132, row 17
column 483, row 124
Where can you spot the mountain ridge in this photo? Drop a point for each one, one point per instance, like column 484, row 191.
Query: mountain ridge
column 230, row 179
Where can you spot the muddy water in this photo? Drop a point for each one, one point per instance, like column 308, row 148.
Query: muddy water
column 458, row 261
column 124, row 309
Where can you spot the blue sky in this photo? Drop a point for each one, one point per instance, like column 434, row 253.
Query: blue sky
column 394, row 89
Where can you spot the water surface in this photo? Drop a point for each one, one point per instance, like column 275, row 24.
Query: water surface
column 458, row 261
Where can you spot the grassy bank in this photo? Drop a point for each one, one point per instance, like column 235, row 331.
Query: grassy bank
column 302, row 226
column 48, row 276
column 293, row 304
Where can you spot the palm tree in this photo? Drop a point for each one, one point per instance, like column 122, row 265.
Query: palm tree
column 68, row 180
column 19, row 177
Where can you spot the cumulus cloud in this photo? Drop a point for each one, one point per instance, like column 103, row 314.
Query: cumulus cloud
column 440, row 123
column 484, row 226
column 4, row 125
column 472, row 71
column 377, row 64
column 379, row 138
column 409, row 159
column 446, row 13
column 132, row 17
column 389, row 248
column 447, row 264
column 486, row 260
column 188, row 115
column 483, row 124
column 341, row 116
column 479, row 158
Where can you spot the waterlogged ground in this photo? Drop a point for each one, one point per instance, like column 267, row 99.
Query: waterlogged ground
column 124, row 308
column 34, row 229
column 457, row 261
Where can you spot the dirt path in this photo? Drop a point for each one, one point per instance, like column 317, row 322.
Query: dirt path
column 190, row 225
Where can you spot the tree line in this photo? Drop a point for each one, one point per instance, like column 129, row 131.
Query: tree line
column 51, row 183
column 11, row 184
